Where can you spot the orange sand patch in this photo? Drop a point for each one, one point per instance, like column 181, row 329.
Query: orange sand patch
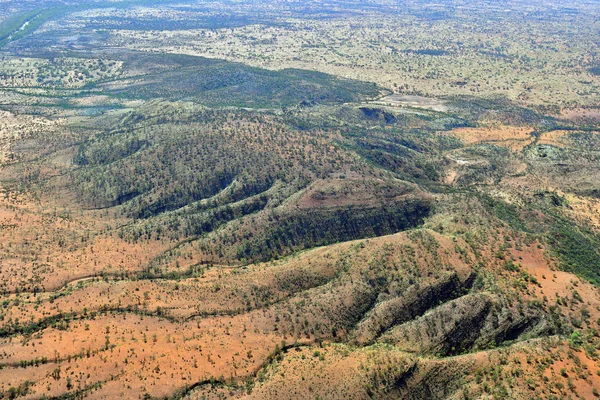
column 515, row 138
column 585, row 208
column 554, row 284
column 133, row 355
column 553, row 138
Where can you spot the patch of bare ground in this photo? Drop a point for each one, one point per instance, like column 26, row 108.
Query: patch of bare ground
column 44, row 247
column 128, row 355
column 584, row 209
column 515, row 138
column 553, row 138
column 581, row 115
column 427, row 103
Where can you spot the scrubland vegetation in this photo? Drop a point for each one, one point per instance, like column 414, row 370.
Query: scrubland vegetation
column 358, row 200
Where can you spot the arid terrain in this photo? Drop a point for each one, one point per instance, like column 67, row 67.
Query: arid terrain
column 299, row 200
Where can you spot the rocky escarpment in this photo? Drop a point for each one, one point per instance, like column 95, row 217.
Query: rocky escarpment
column 414, row 302
column 473, row 321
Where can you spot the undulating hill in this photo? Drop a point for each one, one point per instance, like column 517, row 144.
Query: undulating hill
column 344, row 200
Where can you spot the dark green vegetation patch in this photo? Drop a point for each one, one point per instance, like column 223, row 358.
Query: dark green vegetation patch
column 218, row 83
